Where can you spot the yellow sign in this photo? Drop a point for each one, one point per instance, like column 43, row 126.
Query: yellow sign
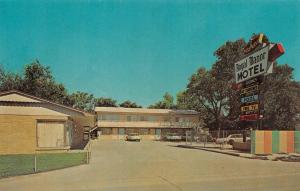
column 249, row 107
column 249, row 89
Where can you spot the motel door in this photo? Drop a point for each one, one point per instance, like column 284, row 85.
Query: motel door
column 51, row 134
column 157, row 134
column 121, row 133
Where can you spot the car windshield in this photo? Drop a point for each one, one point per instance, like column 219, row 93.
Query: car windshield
column 133, row 134
column 236, row 135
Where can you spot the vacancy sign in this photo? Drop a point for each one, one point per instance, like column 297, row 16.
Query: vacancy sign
column 252, row 66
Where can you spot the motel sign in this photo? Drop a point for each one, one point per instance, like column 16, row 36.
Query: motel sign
column 252, row 66
column 249, row 73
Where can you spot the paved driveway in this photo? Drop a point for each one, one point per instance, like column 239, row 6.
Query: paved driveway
column 119, row 165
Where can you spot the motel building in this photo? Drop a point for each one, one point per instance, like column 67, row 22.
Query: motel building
column 150, row 124
column 29, row 124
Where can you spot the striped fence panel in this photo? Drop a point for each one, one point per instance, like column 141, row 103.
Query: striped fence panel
column 268, row 142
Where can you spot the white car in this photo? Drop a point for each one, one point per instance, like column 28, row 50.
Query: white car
column 231, row 138
column 133, row 137
column 173, row 137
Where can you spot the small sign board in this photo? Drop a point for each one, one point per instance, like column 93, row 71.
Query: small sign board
column 252, row 65
column 250, row 89
column 252, row 81
column 252, row 107
column 251, row 117
column 249, row 99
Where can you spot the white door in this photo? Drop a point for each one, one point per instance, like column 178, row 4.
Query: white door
column 121, row 133
column 51, row 134
column 157, row 134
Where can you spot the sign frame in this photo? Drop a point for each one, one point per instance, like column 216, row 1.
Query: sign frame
column 252, row 65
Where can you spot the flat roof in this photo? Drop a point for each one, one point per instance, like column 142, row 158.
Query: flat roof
column 131, row 110
column 143, row 110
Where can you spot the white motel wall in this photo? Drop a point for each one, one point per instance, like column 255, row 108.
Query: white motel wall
column 150, row 124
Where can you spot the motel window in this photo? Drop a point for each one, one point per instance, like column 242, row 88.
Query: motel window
column 143, row 118
column 134, row 118
column 166, row 119
column 144, row 131
column 109, row 117
column 131, row 130
column 131, row 118
column 152, row 118
column 106, row 131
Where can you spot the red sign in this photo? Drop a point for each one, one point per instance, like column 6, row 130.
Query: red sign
column 254, row 42
column 276, row 51
column 251, row 117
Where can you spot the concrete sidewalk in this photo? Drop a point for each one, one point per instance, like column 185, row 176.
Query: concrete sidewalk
column 227, row 149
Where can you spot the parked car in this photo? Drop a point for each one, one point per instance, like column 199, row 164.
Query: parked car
column 231, row 138
column 133, row 137
column 173, row 137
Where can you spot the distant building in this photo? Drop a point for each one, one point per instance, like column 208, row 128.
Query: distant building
column 117, row 122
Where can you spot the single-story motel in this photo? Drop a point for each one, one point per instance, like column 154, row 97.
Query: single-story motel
column 29, row 124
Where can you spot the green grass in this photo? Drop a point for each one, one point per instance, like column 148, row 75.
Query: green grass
column 11, row 165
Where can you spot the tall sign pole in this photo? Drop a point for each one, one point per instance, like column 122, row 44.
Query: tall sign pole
column 257, row 62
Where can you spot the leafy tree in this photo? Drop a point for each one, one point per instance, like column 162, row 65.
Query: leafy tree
column 38, row 81
column 129, row 104
column 10, row 81
column 166, row 103
column 281, row 95
column 182, row 100
column 209, row 95
column 227, row 55
column 83, row 101
column 105, row 102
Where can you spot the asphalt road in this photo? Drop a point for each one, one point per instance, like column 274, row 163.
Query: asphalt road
column 120, row 165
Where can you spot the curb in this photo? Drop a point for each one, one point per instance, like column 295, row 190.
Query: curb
column 226, row 153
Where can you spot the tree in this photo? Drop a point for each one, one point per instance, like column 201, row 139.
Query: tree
column 227, row 55
column 281, row 95
column 10, row 81
column 38, row 81
column 105, row 102
column 182, row 100
column 209, row 95
column 82, row 101
column 129, row 104
column 166, row 103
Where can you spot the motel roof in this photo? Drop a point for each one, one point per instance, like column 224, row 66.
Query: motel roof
column 144, row 110
column 21, row 97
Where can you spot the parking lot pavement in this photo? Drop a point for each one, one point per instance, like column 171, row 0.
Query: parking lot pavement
column 152, row 165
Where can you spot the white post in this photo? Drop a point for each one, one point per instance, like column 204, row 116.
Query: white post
column 35, row 163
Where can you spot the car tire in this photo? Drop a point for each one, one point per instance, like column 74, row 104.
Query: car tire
column 230, row 142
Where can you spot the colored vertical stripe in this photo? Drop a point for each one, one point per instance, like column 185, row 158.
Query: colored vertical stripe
column 268, row 142
column 282, row 142
column 290, row 141
column 259, row 143
column 253, row 142
column 297, row 141
column 275, row 141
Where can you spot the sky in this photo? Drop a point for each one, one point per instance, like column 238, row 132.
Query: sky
column 137, row 50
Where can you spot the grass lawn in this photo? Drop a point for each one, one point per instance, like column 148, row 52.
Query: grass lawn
column 11, row 165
